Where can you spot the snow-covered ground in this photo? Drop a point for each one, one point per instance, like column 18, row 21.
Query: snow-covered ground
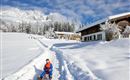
column 72, row 60
column 18, row 49
column 106, row 60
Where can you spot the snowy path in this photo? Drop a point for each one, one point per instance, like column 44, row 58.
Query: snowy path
column 34, row 68
column 61, row 71
column 70, row 69
column 63, row 68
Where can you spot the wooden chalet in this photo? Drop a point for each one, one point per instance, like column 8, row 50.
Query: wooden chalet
column 93, row 32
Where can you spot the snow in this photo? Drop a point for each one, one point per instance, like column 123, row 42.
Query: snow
column 119, row 15
column 127, row 30
column 104, row 60
column 68, row 33
column 74, row 60
column 17, row 50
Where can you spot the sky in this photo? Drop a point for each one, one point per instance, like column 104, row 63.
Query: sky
column 85, row 11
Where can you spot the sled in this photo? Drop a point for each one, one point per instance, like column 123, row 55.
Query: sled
column 38, row 78
column 46, row 77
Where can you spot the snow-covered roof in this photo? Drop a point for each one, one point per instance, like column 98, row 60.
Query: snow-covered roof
column 103, row 20
column 90, row 25
column 64, row 32
column 118, row 15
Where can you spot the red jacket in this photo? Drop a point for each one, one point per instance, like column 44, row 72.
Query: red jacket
column 48, row 67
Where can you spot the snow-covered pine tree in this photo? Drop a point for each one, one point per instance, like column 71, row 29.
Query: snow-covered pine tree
column 126, row 32
column 50, row 33
column 28, row 28
column 4, row 26
column 112, row 30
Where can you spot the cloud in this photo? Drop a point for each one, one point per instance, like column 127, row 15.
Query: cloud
column 81, row 10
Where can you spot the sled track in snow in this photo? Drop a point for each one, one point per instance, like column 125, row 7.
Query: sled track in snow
column 59, row 64
column 63, row 68
column 70, row 70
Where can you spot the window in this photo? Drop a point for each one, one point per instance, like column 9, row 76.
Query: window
column 99, row 37
column 85, row 39
column 129, row 19
column 94, row 37
column 90, row 37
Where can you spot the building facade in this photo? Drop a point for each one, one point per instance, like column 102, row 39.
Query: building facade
column 93, row 32
column 68, row 35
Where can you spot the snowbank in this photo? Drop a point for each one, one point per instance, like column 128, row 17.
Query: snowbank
column 18, row 49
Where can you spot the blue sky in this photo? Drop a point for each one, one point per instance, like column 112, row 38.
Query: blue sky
column 86, row 11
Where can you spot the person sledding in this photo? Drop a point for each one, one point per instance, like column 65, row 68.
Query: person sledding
column 48, row 68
